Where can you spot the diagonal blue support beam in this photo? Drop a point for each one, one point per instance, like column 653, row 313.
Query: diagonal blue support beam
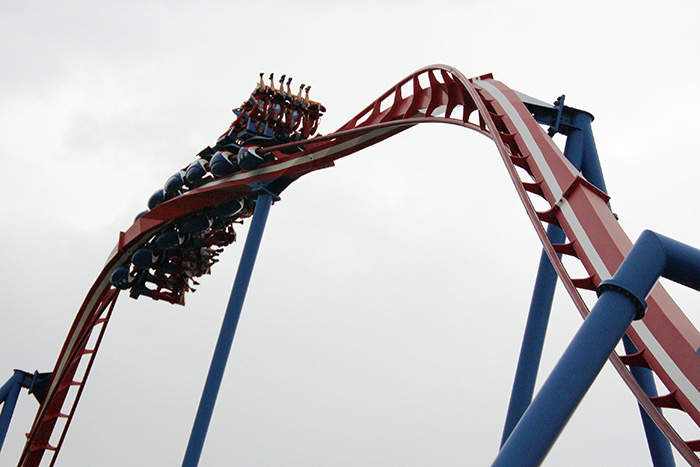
column 659, row 446
column 9, row 392
column 622, row 300
column 533, row 337
column 228, row 330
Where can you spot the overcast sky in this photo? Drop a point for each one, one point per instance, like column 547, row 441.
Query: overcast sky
column 384, row 318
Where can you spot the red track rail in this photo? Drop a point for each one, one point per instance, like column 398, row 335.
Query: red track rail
column 666, row 339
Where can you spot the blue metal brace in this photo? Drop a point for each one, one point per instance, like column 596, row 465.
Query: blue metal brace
column 559, row 104
column 8, row 396
column 9, row 393
column 228, row 330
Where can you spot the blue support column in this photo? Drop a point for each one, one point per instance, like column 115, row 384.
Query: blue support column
column 228, row 330
column 659, row 446
column 622, row 299
column 9, row 393
column 533, row 337
column 590, row 166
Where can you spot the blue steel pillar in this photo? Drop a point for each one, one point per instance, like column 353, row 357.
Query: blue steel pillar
column 622, row 299
column 533, row 337
column 9, row 393
column 659, row 446
column 228, row 329
column 590, row 166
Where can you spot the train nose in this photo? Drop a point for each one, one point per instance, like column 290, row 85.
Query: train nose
column 196, row 224
column 120, row 278
column 174, row 183
column 229, row 210
column 220, row 165
column 168, row 240
column 156, row 198
column 196, row 171
column 248, row 158
column 142, row 258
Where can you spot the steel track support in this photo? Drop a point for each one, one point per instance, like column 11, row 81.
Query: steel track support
column 9, row 392
column 228, row 330
column 622, row 300
column 590, row 162
column 533, row 337
column 659, row 446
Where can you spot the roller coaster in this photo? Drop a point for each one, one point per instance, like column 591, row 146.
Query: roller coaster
column 272, row 143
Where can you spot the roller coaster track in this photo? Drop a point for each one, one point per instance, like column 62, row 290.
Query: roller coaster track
column 666, row 339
